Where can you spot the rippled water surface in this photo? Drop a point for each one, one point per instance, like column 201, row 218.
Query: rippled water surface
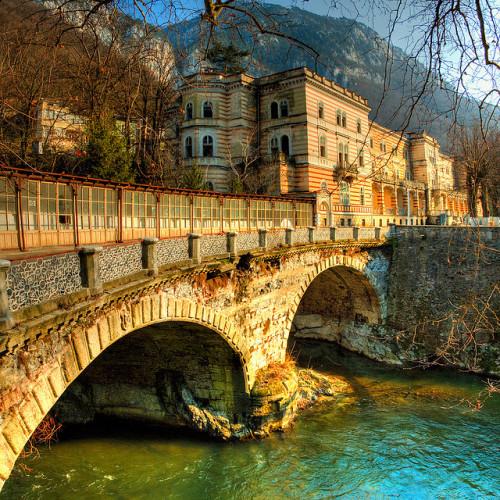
column 401, row 434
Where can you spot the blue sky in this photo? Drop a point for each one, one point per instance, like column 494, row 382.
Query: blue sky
column 380, row 16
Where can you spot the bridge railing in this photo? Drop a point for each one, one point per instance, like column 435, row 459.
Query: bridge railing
column 41, row 209
column 27, row 282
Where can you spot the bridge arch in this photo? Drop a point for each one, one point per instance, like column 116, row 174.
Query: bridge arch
column 87, row 340
column 340, row 286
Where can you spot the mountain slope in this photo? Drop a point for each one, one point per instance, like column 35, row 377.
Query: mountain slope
column 349, row 53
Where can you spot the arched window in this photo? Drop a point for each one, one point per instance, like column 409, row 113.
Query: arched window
column 274, row 110
column 361, row 158
column 344, row 119
column 324, row 185
column 322, row 146
column 188, row 147
column 189, row 111
column 207, row 109
column 284, row 108
column 207, row 146
column 274, row 146
column 285, row 145
column 405, row 154
column 383, row 146
column 345, row 198
column 339, row 117
column 321, row 110
column 358, row 125
column 343, row 154
column 210, row 186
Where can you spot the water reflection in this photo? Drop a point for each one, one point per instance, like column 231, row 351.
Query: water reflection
column 401, row 434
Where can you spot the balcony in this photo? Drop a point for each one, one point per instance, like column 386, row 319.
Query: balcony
column 346, row 171
column 352, row 209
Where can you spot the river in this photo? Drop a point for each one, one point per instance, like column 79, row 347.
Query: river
column 401, row 434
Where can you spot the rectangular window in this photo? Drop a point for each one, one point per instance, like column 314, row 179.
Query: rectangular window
column 197, row 209
column 304, row 214
column 164, row 211
column 139, row 210
column 151, row 212
column 48, row 206
column 30, row 205
column 7, row 205
column 362, row 196
column 98, row 208
column 128, row 197
column 83, row 207
column 65, row 205
column 111, row 209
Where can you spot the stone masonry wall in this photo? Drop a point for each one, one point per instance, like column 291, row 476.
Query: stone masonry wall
column 439, row 277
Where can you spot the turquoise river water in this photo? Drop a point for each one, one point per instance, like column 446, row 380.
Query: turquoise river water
column 401, row 434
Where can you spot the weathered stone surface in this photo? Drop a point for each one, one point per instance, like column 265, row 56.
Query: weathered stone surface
column 359, row 298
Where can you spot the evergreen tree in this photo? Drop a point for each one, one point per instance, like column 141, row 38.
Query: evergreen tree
column 194, row 178
column 107, row 156
column 226, row 58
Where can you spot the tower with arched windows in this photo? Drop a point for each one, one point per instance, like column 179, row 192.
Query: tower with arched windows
column 298, row 132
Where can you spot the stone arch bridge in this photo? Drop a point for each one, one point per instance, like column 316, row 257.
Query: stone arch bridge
column 198, row 331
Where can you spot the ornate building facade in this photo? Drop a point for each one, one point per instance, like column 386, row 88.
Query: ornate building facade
column 312, row 137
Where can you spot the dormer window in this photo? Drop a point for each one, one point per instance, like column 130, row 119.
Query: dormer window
column 207, row 109
column 189, row 111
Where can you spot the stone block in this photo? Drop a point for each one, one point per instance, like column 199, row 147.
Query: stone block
column 79, row 341
column 44, row 396
column 14, row 433
column 137, row 314
column 56, row 381
column 146, row 310
column 31, row 415
column 69, row 365
column 110, row 328
column 308, row 321
column 93, row 341
column 155, row 307
column 163, row 305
